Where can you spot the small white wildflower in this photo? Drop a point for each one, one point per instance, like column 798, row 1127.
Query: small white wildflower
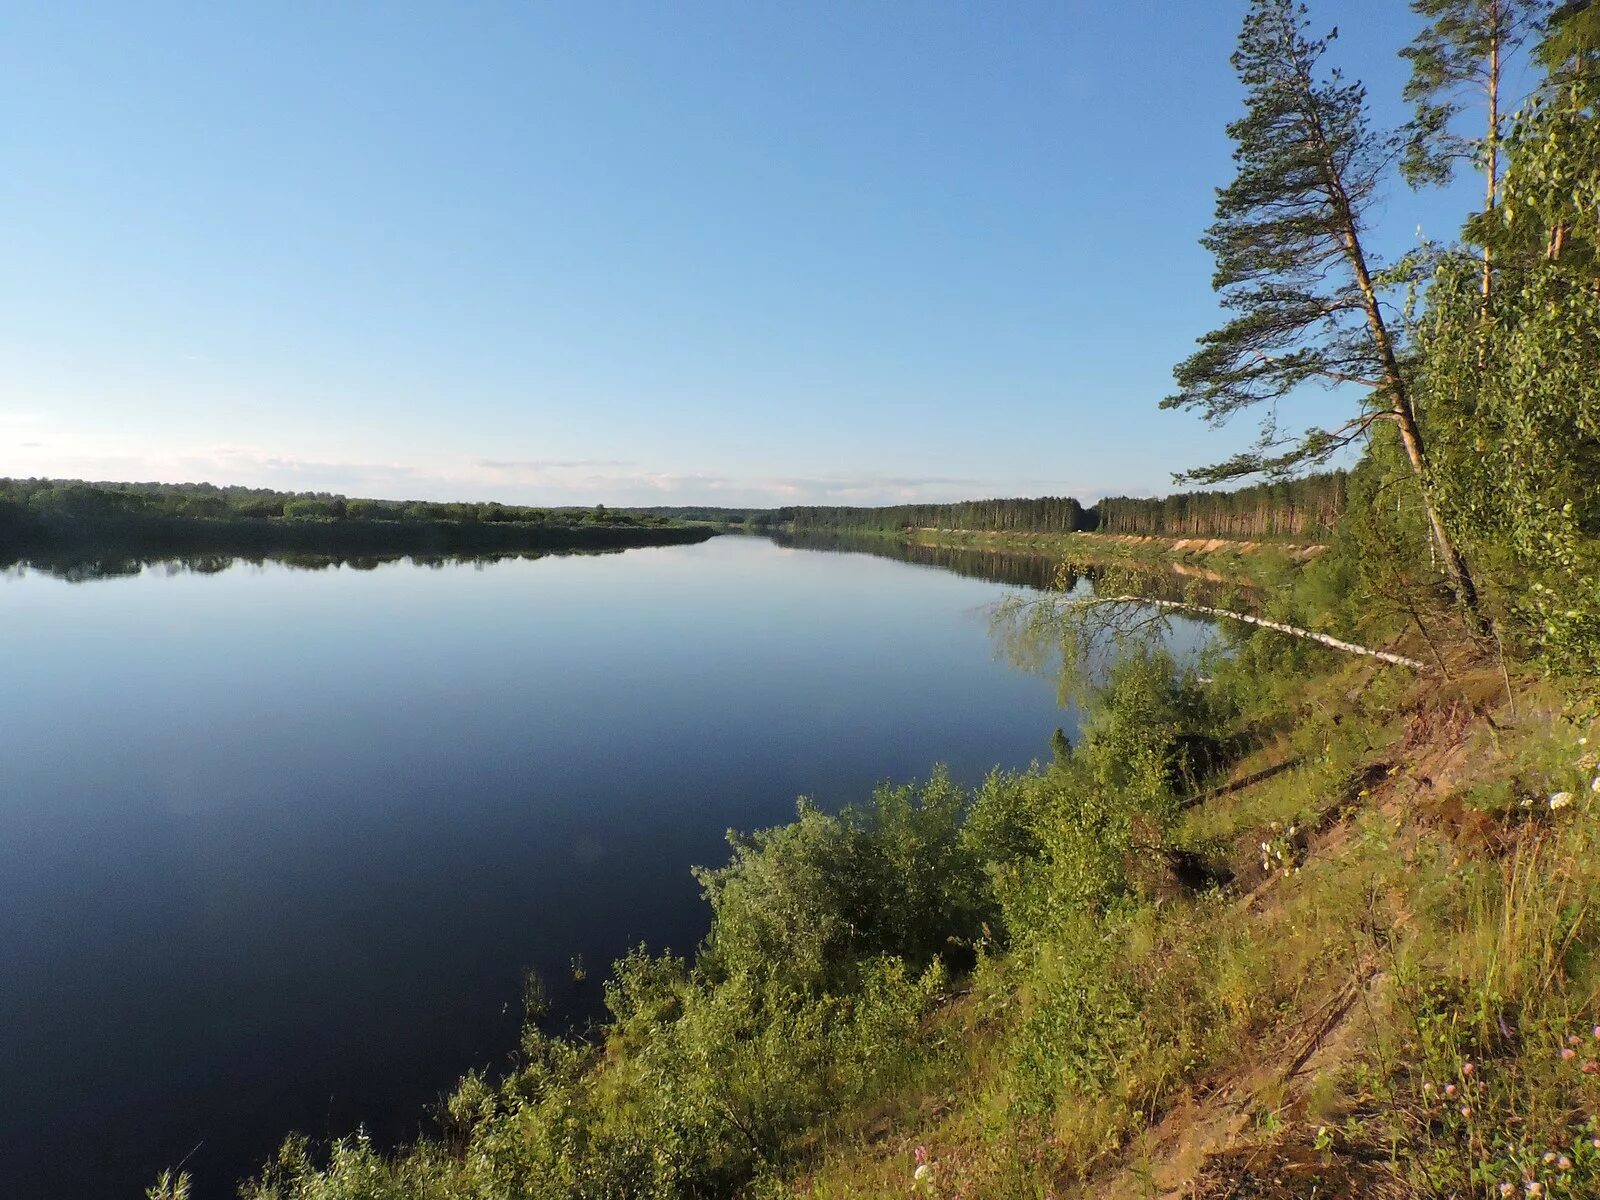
column 1527, row 802
column 1595, row 785
column 1561, row 800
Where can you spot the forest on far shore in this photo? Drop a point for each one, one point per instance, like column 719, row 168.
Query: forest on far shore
column 1308, row 508
column 52, row 510
column 55, row 515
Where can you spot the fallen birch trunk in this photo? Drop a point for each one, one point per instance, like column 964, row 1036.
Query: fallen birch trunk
column 1399, row 660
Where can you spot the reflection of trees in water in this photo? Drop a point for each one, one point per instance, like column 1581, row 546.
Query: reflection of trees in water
column 1029, row 629
column 105, row 548
column 1018, row 570
column 1037, row 572
column 81, row 568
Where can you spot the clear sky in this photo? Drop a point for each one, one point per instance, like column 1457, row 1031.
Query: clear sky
column 652, row 253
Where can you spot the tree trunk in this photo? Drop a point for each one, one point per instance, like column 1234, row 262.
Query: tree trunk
column 1394, row 384
column 1492, row 148
column 1400, row 410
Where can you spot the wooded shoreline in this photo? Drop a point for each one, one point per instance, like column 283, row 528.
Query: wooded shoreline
column 164, row 534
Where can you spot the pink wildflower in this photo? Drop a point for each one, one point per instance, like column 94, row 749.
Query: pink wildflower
column 1568, row 1053
column 1564, row 1163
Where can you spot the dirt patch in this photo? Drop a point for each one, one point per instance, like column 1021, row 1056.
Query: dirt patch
column 1292, row 1171
column 1201, row 1144
column 1298, row 551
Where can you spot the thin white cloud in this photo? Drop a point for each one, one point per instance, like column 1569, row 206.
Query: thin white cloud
column 552, row 481
column 550, row 464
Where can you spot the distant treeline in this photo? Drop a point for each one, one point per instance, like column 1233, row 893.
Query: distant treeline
column 1305, row 508
column 193, row 516
column 80, row 500
column 1302, row 508
column 52, row 513
column 1047, row 514
column 712, row 513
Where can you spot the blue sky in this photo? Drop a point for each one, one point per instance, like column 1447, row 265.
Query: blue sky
column 632, row 253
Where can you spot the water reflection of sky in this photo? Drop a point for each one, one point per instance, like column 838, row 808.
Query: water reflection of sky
column 276, row 844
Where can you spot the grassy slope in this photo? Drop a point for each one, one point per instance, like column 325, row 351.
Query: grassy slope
column 1299, row 1027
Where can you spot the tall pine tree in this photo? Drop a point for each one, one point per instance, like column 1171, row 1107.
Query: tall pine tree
column 1292, row 266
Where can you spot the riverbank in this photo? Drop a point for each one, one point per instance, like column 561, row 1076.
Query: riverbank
column 1112, row 547
column 1312, row 923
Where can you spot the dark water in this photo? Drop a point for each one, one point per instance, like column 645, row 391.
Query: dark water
column 277, row 844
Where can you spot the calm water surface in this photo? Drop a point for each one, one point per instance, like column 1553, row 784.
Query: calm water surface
column 277, row 845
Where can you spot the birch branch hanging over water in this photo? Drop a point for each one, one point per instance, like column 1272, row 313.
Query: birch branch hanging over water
column 1293, row 630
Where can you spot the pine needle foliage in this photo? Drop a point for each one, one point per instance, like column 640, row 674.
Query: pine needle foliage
column 1292, row 265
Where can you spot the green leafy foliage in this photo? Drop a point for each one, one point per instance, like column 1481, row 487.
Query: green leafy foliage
column 809, row 900
column 1512, row 393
